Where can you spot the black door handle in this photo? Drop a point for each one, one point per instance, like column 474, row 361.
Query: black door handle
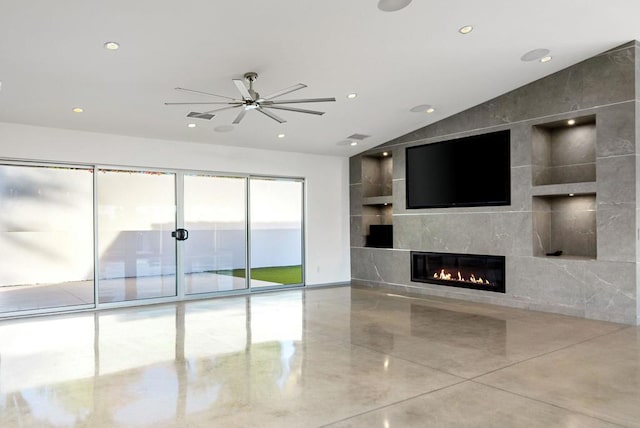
column 180, row 234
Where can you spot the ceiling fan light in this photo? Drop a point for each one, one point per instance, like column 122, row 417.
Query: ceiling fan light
column 392, row 5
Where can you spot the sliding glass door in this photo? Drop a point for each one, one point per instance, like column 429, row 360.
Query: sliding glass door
column 136, row 250
column 146, row 223
column 214, row 256
column 46, row 237
column 276, row 232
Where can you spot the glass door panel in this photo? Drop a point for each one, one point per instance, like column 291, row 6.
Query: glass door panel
column 46, row 237
column 214, row 256
column 136, row 217
column 276, row 212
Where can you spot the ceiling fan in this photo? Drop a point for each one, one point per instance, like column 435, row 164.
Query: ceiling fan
column 251, row 100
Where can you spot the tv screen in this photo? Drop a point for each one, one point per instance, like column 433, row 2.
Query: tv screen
column 466, row 172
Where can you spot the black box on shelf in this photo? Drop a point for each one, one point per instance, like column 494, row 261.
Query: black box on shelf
column 380, row 236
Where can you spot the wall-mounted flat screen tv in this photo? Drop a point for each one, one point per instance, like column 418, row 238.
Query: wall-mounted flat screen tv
column 466, row 172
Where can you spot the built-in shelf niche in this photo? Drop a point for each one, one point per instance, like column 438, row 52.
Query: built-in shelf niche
column 377, row 175
column 564, row 153
column 565, row 223
column 377, row 198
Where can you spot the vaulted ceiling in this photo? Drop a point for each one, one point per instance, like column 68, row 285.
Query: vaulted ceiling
column 53, row 59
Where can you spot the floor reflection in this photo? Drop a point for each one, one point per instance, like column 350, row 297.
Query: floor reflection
column 113, row 367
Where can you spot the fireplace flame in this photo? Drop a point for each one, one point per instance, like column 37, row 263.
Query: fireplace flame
column 447, row 276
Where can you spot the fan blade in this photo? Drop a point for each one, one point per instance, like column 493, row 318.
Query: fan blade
column 194, row 103
column 220, row 109
column 285, row 91
column 271, row 115
column 239, row 117
column 243, row 89
column 308, row 100
column 299, row 110
column 202, row 93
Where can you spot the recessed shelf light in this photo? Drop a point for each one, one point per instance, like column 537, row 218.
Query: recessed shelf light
column 281, row 135
column 392, row 5
column 546, row 58
column 571, row 122
column 466, row 29
column 385, row 153
column 191, row 125
column 112, row 46
column 352, row 95
column 77, row 110
column 572, row 194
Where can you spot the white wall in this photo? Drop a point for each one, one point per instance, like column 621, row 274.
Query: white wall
column 327, row 198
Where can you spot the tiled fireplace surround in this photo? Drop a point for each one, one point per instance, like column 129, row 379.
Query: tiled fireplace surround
column 597, row 228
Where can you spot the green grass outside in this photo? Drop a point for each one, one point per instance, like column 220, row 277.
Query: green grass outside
column 278, row 274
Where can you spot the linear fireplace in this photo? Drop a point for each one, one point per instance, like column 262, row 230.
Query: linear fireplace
column 480, row 272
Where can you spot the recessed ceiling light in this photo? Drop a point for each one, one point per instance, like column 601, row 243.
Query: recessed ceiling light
column 546, row 58
column 112, row 46
column 77, row 110
column 571, row 122
column 392, row 5
column 191, row 125
column 281, row 135
column 223, row 128
column 466, row 29
column 385, row 153
column 534, row 55
column 423, row 108
column 352, row 95
column 353, row 143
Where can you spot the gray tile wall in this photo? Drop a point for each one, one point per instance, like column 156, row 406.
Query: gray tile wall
column 539, row 217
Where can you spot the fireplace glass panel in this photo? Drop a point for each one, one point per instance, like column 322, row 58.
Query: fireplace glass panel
column 480, row 272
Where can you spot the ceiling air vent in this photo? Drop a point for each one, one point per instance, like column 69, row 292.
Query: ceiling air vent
column 201, row 115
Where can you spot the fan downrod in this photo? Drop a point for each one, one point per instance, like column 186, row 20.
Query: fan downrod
column 251, row 77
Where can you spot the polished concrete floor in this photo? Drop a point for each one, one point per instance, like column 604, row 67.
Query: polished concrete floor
column 339, row 357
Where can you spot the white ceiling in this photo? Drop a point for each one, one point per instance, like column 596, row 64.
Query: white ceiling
column 52, row 59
